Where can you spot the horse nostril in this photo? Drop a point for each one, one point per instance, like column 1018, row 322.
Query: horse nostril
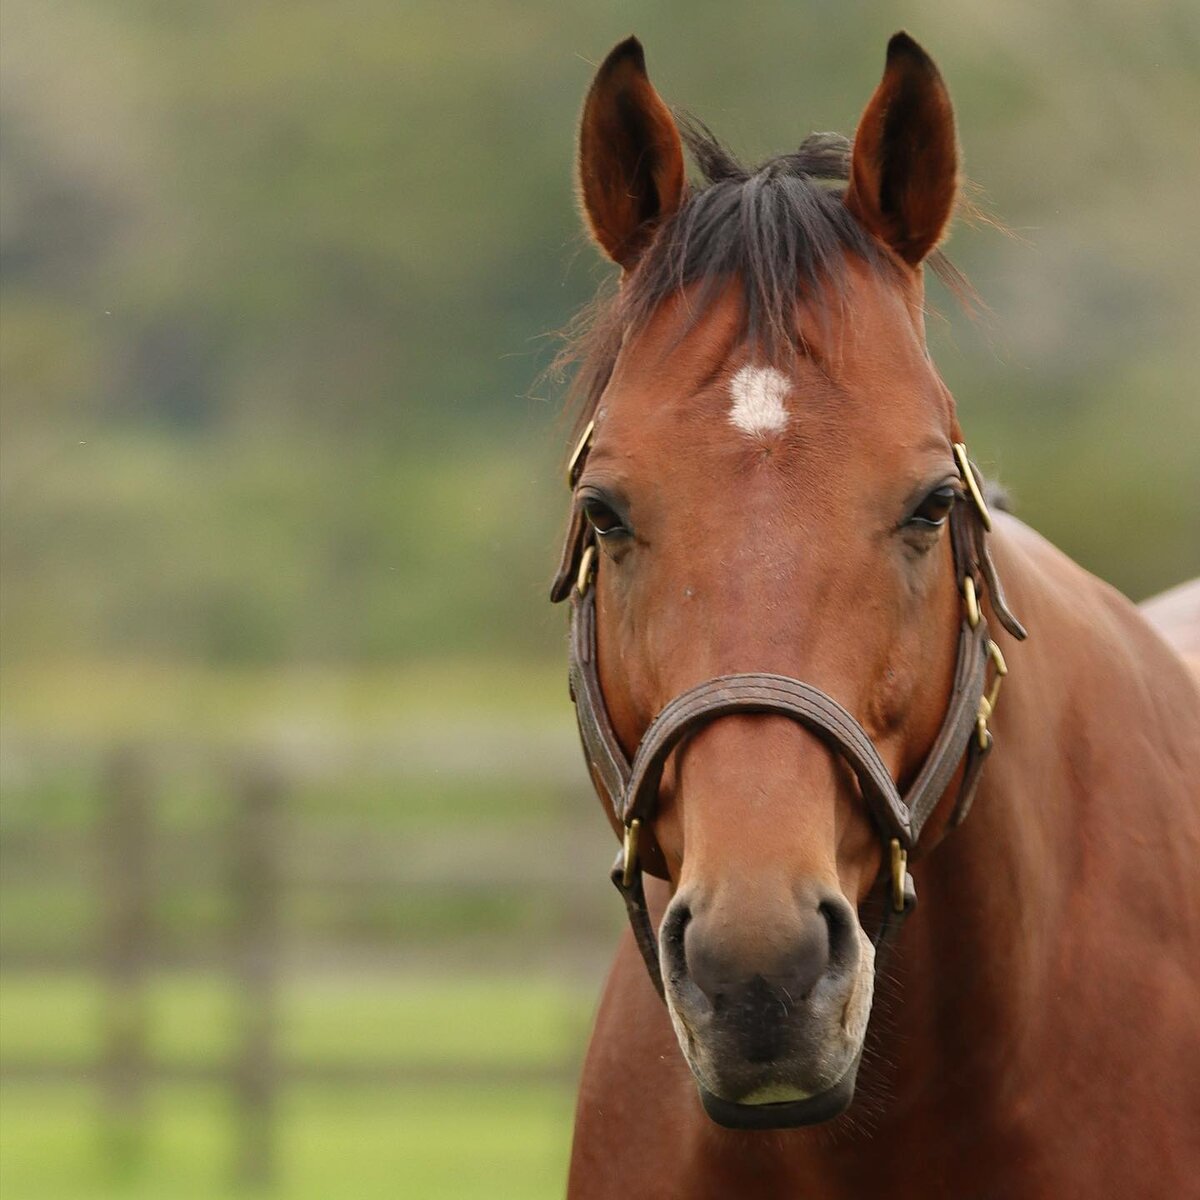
column 718, row 961
column 672, row 939
column 784, row 954
column 840, row 922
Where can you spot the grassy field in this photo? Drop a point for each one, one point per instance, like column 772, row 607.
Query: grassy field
column 482, row 1137
column 438, row 1143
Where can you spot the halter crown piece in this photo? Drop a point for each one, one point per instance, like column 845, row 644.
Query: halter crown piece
column 631, row 788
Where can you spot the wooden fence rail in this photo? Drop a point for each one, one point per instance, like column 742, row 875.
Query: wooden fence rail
column 259, row 855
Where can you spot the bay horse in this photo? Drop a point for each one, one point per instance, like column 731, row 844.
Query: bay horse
column 792, row 613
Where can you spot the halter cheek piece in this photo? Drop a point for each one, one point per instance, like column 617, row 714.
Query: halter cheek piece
column 631, row 789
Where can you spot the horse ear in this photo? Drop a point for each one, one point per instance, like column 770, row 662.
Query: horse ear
column 904, row 169
column 630, row 156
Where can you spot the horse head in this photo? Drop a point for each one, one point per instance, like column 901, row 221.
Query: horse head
column 766, row 484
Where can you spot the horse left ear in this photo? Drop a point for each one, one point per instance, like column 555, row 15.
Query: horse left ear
column 904, row 168
column 631, row 174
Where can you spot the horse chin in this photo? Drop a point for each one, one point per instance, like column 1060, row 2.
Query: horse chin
column 783, row 1113
column 774, row 1103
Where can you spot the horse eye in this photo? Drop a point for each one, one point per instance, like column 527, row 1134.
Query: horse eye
column 932, row 512
column 601, row 517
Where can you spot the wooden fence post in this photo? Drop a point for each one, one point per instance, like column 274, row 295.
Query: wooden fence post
column 125, row 900
column 255, row 891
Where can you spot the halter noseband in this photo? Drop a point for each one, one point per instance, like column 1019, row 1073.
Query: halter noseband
column 631, row 789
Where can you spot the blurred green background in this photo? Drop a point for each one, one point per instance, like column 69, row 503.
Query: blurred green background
column 302, row 886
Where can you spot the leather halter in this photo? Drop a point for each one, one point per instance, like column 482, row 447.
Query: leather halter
column 631, row 789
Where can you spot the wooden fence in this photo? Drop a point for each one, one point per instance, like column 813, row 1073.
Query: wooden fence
column 256, row 869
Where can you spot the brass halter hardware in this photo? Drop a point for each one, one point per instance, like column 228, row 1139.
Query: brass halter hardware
column 629, row 865
column 968, row 474
column 577, row 454
column 899, row 867
column 987, row 704
column 1001, row 671
column 972, row 601
column 982, row 732
column 584, row 578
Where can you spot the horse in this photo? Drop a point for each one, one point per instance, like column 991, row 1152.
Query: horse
column 806, row 698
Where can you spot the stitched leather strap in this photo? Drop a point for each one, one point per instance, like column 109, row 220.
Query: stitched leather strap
column 957, row 731
column 754, row 693
column 605, row 758
column 636, row 909
column 631, row 791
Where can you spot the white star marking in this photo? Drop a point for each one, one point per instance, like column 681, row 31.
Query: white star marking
column 758, row 394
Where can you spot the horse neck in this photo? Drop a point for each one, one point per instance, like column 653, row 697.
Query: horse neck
column 1083, row 806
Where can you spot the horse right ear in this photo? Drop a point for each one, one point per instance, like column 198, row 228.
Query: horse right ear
column 631, row 175
column 904, row 167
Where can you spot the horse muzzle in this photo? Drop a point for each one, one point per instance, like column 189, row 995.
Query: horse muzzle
column 771, row 1022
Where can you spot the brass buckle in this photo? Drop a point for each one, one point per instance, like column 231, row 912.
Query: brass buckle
column 1001, row 671
column 972, row 601
column 631, row 850
column 899, row 870
column 585, row 570
column 968, row 475
column 982, row 732
column 577, row 454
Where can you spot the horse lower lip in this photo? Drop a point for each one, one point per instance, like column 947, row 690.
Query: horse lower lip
column 787, row 1114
